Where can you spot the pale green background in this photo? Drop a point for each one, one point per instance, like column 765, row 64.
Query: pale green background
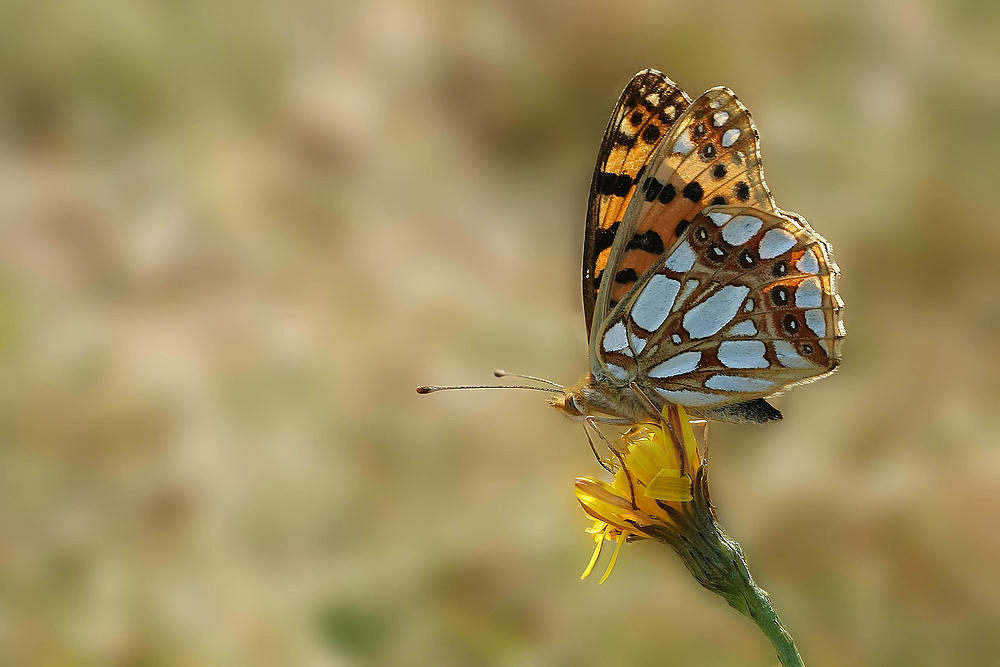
column 235, row 235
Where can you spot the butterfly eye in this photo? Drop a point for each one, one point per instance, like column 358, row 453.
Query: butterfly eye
column 717, row 254
column 780, row 295
column 790, row 323
column 747, row 259
column 780, row 269
column 579, row 406
column 701, row 234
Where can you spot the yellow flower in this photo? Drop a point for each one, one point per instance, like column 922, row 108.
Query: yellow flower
column 660, row 492
column 653, row 483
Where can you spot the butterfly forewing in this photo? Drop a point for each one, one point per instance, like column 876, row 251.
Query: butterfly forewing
column 710, row 157
column 648, row 107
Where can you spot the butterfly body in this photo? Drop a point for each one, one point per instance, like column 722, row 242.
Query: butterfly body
column 698, row 290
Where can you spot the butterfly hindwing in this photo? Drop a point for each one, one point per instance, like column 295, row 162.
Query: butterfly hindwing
column 744, row 305
column 648, row 107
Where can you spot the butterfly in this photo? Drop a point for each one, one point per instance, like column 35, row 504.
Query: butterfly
column 697, row 290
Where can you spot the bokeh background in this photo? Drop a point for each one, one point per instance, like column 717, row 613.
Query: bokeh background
column 235, row 235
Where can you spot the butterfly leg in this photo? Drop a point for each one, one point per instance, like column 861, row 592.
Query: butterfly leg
column 641, row 395
column 604, row 464
column 628, row 476
column 618, row 455
column 614, row 421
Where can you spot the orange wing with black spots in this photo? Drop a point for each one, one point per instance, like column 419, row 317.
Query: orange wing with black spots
column 711, row 157
column 648, row 107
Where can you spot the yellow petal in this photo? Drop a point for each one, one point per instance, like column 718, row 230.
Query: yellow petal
column 669, row 485
column 603, row 503
column 614, row 558
column 690, row 444
column 590, row 491
column 593, row 559
column 647, row 457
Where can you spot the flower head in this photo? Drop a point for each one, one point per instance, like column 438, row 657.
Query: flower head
column 653, row 484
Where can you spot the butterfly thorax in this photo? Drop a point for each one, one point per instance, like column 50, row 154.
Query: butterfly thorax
column 595, row 396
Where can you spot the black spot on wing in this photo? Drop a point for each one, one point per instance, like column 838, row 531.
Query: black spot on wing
column 607, row 183
column 624, row 139
column 718, row 200
column 623, row 185
column 717, row 254
column 693, row 191
column 747, row 259
column 742, row 191
column 605, row 238
column 626, row 276
column 668, row 193
column 653, row 188
column 650, row 242
column 651, row 134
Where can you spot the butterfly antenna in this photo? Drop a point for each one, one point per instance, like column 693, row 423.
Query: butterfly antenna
column 501, row 373
column 425, row 389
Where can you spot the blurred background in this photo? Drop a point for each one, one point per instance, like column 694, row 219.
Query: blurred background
column 235, row 235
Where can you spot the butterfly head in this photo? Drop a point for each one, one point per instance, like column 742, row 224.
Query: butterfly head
column 592, row 397
column 573, row 403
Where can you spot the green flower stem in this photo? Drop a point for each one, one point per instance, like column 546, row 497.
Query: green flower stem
column 717, row 562
column 759, row 609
